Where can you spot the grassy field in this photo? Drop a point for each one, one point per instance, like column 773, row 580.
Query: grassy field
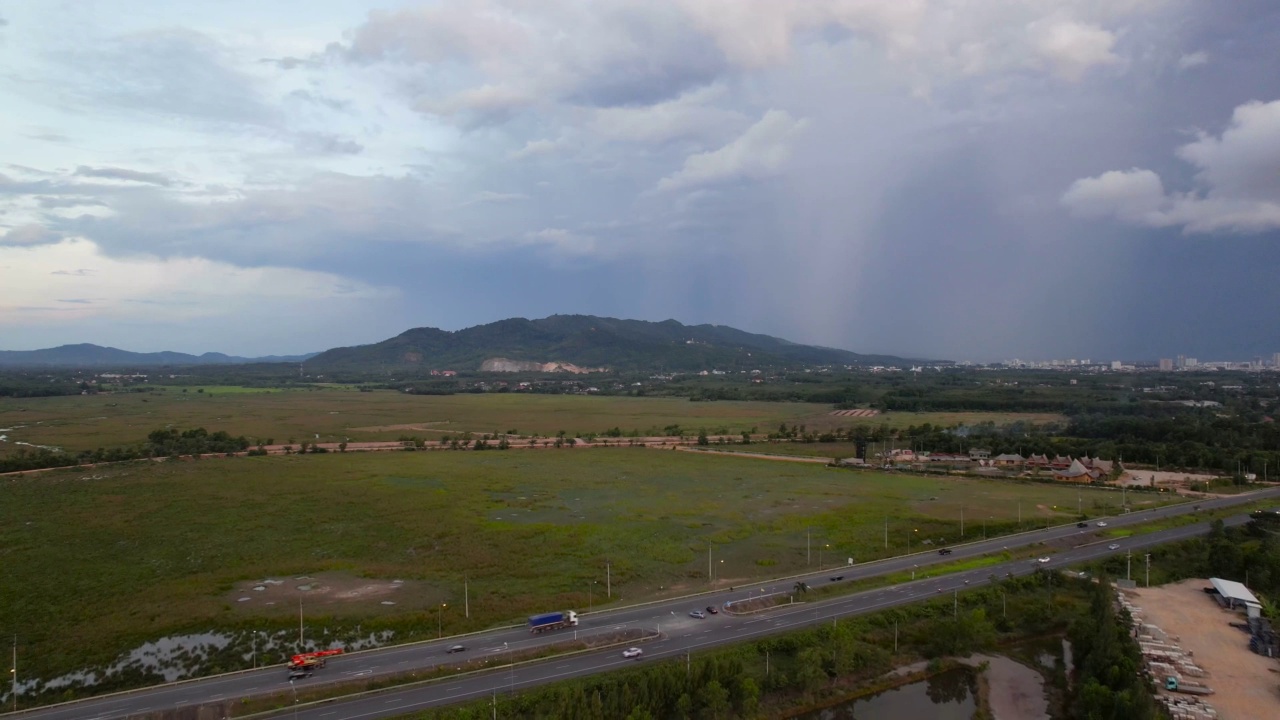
column 87, row 422
column 97, row 561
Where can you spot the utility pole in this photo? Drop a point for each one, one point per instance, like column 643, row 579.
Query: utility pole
column 955, row 604
column 1019, row 514
column 1148, row 569
column 961, row 521
column 1128, row 565
column 895, row 637
column 608, row 579
column 300, row 623
column 886, row 532
column 710, row 577
column 15, row 672
column 808, row 546
column 466, row 597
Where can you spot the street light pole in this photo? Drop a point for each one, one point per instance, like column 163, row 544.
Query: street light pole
column 440, row 620
column 1148, row 569
column 961, row 521
column 808, row 546
column 15, row 673
column 608, row 579
column 886, row 532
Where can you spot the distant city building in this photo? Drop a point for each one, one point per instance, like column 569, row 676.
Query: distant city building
column 1166, row 364
column 1275, row 360
column 1116, row 364
column 1180, row 363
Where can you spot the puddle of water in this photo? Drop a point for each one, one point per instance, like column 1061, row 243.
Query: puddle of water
column 945, row 696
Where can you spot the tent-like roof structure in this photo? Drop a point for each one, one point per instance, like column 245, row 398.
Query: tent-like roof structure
column 1235, row 592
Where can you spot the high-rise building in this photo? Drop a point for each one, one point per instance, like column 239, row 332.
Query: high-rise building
column 1192, row 362
column 1115, row 364
column 1181, row 362
column 1275, row 360
column 1166, row 364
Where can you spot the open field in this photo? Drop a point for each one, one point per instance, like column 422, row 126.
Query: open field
column 102, row 559
column 87, row 422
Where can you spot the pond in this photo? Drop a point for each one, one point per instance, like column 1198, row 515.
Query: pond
column 945, row 696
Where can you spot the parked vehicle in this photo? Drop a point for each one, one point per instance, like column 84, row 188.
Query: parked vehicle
column 553, row 621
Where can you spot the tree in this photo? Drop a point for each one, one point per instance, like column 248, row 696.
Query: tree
column 801, row 587
column 702, row 438
column 714, row 699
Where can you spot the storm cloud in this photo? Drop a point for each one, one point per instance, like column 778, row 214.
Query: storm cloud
column 929, row 177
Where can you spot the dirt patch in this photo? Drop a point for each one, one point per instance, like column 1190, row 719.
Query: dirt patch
column 1143, row 478
column 1015, row 691
column 1244, row 684
column 324, row 590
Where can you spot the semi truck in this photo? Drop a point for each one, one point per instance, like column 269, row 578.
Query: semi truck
column 553, row 621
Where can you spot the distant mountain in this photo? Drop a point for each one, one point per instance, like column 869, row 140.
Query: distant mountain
column 86, row 355
column 587, row 342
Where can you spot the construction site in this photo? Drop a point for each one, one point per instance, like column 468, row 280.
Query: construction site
column 1206, row 650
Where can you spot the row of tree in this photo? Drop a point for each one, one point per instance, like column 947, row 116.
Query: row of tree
column 159, row 443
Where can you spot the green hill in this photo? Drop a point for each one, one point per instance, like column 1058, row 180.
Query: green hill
column 588, row 341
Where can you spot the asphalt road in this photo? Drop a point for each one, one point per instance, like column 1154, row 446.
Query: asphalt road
column 678, row 632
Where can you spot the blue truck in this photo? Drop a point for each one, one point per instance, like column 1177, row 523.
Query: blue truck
column 553, row 621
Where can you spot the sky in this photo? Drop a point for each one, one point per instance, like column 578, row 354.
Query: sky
column 959, row 179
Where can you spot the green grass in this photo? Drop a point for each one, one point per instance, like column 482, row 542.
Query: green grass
column 99, row 560
column 333, row 414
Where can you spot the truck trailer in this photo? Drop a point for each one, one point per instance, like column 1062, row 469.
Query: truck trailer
column 553, row 621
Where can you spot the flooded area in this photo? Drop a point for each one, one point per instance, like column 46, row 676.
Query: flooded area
column 949, row 695
column 178, row 657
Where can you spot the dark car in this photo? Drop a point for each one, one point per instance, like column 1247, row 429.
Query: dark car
column 1082, row 524
column 837, row 578
column 298, row 673
column 712, row 609
column 456, row 649
column 944, row 551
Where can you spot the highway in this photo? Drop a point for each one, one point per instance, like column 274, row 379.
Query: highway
column 677, row 633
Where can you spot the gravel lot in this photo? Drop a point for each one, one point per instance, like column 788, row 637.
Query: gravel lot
column 1246, row 686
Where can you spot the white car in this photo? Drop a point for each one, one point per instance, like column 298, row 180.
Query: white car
column 697, row 614
column 1113, row 546
column 1102, row 523
column 1044, row 559
column 632, row 653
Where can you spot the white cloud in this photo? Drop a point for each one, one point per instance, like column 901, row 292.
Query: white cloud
column 29, row 234
column 533, row 148
column 691, row 114
column 562, row 240
column 149, row 289
column 1192, row 60
column 488, row 196
column 759, row 152
column 1135, row 196
column 1073, row 48
column 1240, row 186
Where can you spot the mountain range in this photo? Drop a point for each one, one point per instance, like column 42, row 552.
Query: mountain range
column 87, row 355
column 588, row 342
column 571, row 342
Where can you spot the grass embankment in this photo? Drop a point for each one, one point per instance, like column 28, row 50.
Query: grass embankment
column 98, row 561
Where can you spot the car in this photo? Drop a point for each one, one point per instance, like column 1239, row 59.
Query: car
column 1044, row 559
column 837, row 578
column 697, row 614
column 1082, row 524
column 1102, row 523
column 1113, row 546
column 711, row 610
column 298, row 673
column 944, row 551
column 456, row 649
column 632, row 653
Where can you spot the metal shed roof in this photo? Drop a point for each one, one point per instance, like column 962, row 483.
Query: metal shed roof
column 1233, row 590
